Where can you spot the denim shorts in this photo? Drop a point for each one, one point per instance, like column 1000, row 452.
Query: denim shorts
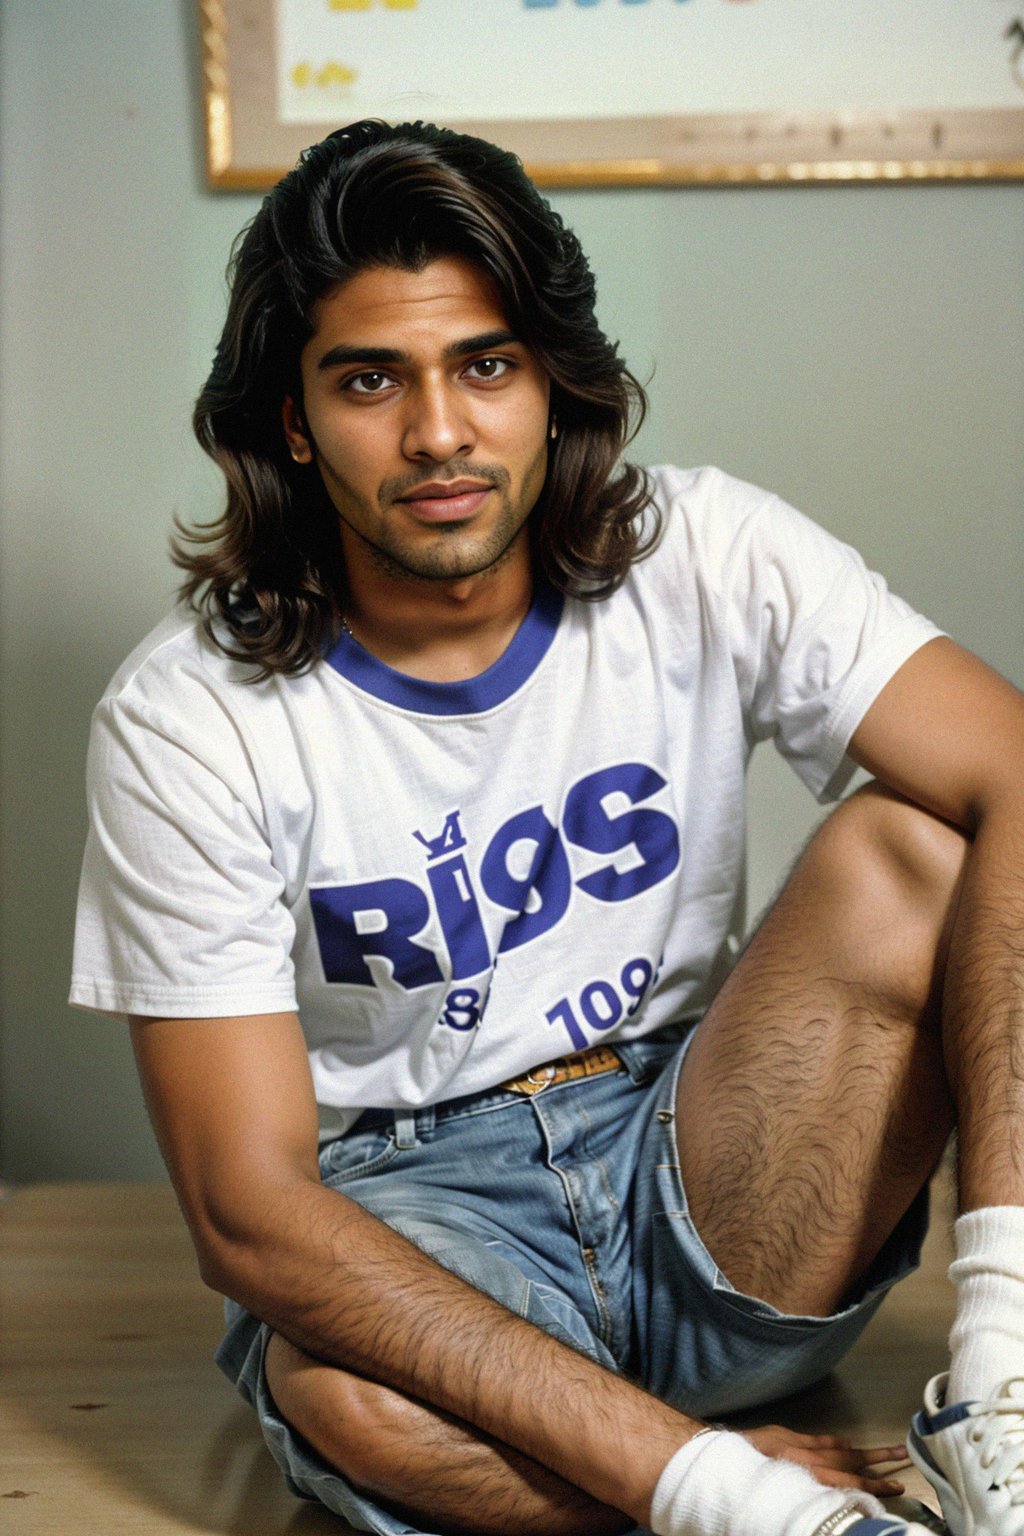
column 569, row 1208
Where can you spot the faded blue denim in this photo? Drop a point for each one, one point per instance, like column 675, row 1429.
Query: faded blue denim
column 569, row 1209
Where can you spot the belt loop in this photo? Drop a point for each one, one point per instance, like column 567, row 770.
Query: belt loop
column 405, row 1129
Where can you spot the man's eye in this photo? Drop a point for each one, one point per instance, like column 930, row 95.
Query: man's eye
column 489, row 367
column 367, row 383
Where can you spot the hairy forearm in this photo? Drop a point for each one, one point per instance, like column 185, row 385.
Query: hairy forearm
column 347, row 1289
column 984, row 1011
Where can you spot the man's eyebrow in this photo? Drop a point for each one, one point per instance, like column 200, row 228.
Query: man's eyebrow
column 381, row 357
column 336, row 357
column 482, row 343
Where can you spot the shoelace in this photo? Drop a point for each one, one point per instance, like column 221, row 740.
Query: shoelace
column 999, row 1431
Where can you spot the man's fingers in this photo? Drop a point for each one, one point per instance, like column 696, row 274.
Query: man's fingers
column 874, row 1455
column 834, row 1461
column 856, row 1458
column 775, row 1440
column 851, row 1469
column 868, row 1455
column 881, row 1487
column 826, row 1442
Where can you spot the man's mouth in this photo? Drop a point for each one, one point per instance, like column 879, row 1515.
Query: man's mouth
column 446, row 501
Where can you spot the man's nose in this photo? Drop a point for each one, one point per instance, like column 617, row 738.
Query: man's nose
column 438, row 425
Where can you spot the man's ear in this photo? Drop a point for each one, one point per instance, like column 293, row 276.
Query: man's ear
column 296, row 431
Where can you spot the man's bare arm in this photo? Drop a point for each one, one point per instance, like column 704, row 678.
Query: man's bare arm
column 232, row 1103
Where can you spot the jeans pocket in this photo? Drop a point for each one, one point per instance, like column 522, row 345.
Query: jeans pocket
column 356, row 1155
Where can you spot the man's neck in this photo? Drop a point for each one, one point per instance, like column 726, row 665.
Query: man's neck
column 441, row 632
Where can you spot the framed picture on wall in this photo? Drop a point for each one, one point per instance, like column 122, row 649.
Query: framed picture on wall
column 599, row 92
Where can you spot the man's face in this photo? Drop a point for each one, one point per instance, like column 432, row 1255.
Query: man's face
column 427, row 418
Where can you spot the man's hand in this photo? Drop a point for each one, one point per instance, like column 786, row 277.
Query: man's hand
column 832, row 1459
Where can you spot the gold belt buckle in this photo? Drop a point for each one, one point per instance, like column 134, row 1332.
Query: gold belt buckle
column 589, row 1063
column 531, row 1085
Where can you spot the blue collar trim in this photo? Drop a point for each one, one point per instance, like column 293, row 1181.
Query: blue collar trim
column 520, row 659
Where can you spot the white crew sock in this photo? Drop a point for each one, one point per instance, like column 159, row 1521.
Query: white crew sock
column 717, row 1484
column 987, row 1340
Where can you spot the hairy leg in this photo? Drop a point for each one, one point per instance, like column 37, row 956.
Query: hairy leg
column 425, row 1465
column 983, row 1037
column 812, row 1108
column 814, row 1104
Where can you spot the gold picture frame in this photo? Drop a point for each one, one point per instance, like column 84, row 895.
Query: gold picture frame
column 249, row 148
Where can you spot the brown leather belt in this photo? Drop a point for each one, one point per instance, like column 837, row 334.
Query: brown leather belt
column 590, row 1063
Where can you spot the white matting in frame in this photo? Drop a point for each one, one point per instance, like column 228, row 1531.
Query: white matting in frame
column 631, row 91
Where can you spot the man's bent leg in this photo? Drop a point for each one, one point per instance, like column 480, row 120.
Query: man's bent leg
column 426, row 1466
column 813, row 1103
column 470, row 1184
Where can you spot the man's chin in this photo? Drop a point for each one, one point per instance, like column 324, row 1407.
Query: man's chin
column 446, row 562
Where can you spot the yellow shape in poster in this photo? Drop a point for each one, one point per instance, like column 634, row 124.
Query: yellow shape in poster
column 331, row 73
column 334, row 73
column 364, row 5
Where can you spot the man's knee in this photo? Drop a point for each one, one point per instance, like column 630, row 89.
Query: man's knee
column 330, row 1408
column 919, row 847
column 418, row 1463
column 895, row 856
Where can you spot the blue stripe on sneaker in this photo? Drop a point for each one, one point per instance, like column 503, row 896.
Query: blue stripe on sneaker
column 946, row 1416
column 921, row 1449
column 871, row 1526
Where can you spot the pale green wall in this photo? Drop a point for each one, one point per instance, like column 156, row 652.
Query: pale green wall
column 860, row 350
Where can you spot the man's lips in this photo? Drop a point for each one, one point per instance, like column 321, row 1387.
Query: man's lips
column 446, row 501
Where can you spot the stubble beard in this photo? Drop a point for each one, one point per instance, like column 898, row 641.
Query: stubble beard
column 448, row 557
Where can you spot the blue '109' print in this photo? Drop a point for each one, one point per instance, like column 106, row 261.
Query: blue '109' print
column 602, row 1004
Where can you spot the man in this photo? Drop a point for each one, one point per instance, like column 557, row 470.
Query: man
column 452, row 765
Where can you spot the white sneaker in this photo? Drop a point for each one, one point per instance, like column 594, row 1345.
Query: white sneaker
column 973, row 1456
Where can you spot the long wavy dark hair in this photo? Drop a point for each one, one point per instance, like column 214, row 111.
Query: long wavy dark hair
column 268, row 575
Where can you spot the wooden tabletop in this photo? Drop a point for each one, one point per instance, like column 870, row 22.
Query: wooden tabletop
column 115, row 1419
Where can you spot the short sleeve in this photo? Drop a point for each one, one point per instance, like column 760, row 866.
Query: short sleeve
column 815, row 637
column 180, row 909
